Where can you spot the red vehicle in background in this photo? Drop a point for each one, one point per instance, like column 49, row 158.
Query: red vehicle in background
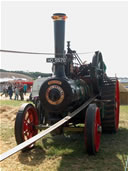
column 22, row 83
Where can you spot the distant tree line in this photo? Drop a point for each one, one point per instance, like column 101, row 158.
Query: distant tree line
column 34, row 75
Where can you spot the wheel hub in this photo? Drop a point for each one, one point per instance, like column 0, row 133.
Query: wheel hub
column 99, row 129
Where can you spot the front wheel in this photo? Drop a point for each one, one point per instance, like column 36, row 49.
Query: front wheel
column 92, row 129
column 25, row 123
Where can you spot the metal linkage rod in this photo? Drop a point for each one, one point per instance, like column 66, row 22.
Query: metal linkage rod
column 78, row 58
column 45, row 132
column 74, row 55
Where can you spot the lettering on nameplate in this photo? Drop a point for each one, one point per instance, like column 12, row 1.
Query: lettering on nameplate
column 56, row 60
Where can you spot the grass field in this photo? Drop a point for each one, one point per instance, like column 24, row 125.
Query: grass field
column 63, row 152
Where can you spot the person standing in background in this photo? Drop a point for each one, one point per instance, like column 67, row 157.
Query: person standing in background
column 21, row 91
column 16, row 90
column 25, row 88
column 5, row 91
column 10, row 91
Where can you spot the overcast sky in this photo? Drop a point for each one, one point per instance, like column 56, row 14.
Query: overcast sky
column 91, row 26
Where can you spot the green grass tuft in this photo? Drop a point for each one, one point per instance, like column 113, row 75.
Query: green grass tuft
column 11, row 102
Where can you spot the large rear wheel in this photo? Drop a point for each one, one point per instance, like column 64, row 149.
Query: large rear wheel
column 25, row 123
column 92, row 129
column 110, row 92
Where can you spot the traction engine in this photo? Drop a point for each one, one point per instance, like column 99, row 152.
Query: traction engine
column 72, row 84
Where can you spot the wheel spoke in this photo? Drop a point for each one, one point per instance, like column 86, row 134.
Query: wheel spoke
column 25, row 125
column 26, row 116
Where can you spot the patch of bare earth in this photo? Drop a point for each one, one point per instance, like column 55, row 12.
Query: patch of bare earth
column 8, row 113
column 7, row 118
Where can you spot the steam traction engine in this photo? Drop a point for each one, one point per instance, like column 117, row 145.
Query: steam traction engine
column 72, row 84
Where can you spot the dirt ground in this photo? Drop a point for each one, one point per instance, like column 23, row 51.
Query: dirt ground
column 7, row 115
column 13, row 97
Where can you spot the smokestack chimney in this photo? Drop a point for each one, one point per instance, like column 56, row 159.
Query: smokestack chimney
column 59, row 38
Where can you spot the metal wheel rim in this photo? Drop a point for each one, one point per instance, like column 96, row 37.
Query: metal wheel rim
column 97, row 134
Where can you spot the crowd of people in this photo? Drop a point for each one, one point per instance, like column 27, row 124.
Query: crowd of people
column 19, row 90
